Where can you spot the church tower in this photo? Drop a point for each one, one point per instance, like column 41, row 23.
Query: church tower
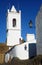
column 13, row 27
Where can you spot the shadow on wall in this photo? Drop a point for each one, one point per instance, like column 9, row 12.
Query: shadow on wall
column 32, row 50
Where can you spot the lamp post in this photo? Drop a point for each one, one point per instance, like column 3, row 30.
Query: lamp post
column 32, row 46
column 30, row 24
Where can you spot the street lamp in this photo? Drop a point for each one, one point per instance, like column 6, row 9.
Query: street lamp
column 30, row 24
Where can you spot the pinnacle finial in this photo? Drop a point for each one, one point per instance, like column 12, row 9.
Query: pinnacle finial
column 13, row 9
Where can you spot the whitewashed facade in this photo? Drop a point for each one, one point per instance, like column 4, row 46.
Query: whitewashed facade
column 30, row 38
column 13, row 27
column 19, row 50
column 39, row 31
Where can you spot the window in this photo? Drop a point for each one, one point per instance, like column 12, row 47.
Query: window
column 14, row 22
column 7, row 30
column 25, row 47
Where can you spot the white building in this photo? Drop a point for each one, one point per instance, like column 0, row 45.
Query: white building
column 39, row 31
column 13, row 27
column 19, row 49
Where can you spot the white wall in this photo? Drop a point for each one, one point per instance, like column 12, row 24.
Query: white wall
column 39, row 31
column 19, row 50
column 7, row 56
column 21, row 53
column 30, row 38
column 13, row 37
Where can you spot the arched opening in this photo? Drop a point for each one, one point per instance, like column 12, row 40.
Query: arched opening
column 14, row 22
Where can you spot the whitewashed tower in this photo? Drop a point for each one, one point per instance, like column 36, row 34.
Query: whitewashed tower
column 13, row 27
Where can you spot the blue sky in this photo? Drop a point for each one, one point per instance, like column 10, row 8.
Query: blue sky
column 29, row 9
